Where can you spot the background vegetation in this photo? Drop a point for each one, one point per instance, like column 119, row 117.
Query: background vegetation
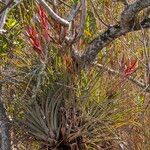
column 49, row 101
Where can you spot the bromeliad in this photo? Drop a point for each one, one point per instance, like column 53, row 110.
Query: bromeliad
column 43, row 21
column 131, row 67
column 35, row 37
column 128, row 67
column 34, row 40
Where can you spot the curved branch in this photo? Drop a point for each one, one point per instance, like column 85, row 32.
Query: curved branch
column 132, row 10
column 3, row 14
column 4, row 11
column 126, row 25
column 53, row 14
column 106, row 38
column 3, row 18
column 6, row 6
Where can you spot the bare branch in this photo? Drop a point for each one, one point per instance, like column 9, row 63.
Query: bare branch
column 83, row 17
column 4, row 11
column 133, row 80
column 95, row 11
column 114, row 32
column 3, row 14
column 6, row 6
column 106, row 38
column 73, row 12
column 53, row 14
column 132, row 10
column 3, row 20
column 4, row 126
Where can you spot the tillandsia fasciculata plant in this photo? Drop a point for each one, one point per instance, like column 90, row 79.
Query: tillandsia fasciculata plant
column 74, row 74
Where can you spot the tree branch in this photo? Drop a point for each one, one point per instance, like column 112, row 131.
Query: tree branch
column 82, row 22
column 3, row 20
column 4, row 126
column 9, row 4
column 73, row 13
column 126, row 25
column 106, row 38
column 4, row 11
column 3, row 14
column 137, row 82
column 132, row 10
column 53, row 14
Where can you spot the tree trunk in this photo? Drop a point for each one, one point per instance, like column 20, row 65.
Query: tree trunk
column 5, row 143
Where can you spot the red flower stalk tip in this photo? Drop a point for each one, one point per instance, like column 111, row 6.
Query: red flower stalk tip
column 42, row 12
column 131, row 67
column 34, row 40
column 43, row 17
column 31, row 32
column 43, row 20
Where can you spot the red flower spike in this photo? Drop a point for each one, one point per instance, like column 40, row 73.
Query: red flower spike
column 34, row 40
column 43, row 17
column 130, row 68
column 31, row 32
column 41, row 11
column 43, row 21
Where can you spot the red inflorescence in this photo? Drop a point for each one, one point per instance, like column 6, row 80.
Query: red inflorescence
column 43, row 21
column 34, row 40
column 131, row 67
column 128, row 66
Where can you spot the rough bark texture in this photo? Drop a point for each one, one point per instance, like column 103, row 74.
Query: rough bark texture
column 127, row 24
column 132, row 10
column 107, row 37
column 5, row 143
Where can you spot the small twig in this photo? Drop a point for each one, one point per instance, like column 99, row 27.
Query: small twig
column 95, row 11
column 6, row 7
column 53, row 14
column 82, row 22
column 64, row 3
column 4, row 11
column 3, row 16
column 3, row 20
column 67, row 86
column 137, row 82
column 73, row 13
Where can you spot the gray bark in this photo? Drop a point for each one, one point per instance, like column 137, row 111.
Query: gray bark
column 114, row 32
column 132, row 10
column 5, row 143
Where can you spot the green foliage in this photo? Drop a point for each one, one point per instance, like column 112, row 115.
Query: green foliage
column 3, row 44
column 52, row 103
column 75, row 1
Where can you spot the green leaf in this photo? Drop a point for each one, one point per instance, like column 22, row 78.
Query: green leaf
column 3, row 44
column 11, row 22
column 75, row 1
